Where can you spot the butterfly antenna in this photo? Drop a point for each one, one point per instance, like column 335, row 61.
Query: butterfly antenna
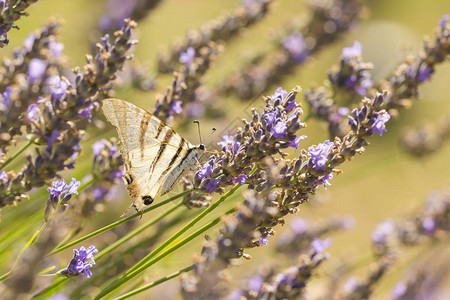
column 199, row 133
column 213, row 130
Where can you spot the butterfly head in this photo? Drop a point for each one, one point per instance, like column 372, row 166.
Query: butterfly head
column 202, row 147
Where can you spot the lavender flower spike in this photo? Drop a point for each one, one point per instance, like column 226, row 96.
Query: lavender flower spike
column 81, row 263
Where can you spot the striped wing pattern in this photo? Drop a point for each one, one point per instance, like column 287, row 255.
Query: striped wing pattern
column 150, row 148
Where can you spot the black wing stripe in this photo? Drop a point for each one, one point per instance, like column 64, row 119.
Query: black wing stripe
column 161, row 150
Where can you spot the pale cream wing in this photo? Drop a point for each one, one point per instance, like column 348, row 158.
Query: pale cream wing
column 150, row 148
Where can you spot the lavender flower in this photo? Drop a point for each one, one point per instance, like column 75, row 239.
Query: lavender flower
column 36, row 69
column 97, row 147
column 279, row 92
column 353, row 75
column 56, row 190
column 399, row 290
column 186, row 87
column 188, row 56
column 383, row 231
column 380, row 123
column 296, row 46
column 319, row 154
column 81, row 263
column 3, row 175
column 222, row 29
column 229, row 143
column 241, row 179
column 320, row 246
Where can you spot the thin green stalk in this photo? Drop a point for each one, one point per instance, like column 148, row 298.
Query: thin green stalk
column 180, row 244
column 154, row 283
column 9, row 160
column 21, row 253
column 30, row 241
column 135, row 232
column 141, row 265
column 117, row 223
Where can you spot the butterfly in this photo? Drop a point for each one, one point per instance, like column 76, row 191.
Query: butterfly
column 155, row 156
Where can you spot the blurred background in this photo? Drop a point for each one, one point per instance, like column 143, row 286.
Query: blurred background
column 385, row 182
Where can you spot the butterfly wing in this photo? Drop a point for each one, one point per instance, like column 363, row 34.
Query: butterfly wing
column 150, row 148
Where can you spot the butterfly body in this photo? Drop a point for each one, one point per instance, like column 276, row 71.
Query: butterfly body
column 155, row 156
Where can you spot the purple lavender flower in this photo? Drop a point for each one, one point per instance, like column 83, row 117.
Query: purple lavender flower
column 235, row 295
column 29, row 41
column 428, row 225
column 299, row 225
column 36, row 69
column 443, row 21
column 175, row 108
column 100, row 193
column 382, row 231
column 379, row 125
column 341, row 112
column 290, row 106
column 255, row 283
column 227, row 141
column 241, row 179
column 319, row 246
column 279, row 92
column 3, row 176
column 279, row 130
column 319, row 154
column 364, row 85
column 6, row 97
column 32, row 110
column 351, row 284
column 116, row 174
column 399, row 290
column 56, row 48
column 52, row 139
column 71, row 189
column 212, row 185
column 87, row 112
column 296, row 46
column 81, row 263
column 188, row 56
column 97, row 147
column 195, row 110
column 56, row 87
column 295, row 143
column 354, row 50
column 59, row 296
column 424, row 73
column 206, row 170
column 4, row 39
column 325, row 179
column 56, row 190
column 263, row 240
column 270, row 118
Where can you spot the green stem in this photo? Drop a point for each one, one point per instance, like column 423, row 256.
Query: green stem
column 141, row 265
column 28, row 244
column 9, row 160
column 135, row 232
column 155, row 283
column 117, row 223
column 180, row 244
